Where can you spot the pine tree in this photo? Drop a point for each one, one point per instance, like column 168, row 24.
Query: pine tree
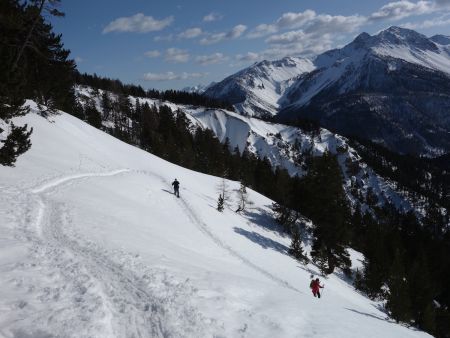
column 93, row 116
column 17, row 142
column 33, row 65
column 106, row 105
column 398, row 301
column 220, row 203
column 321, row 260
column 428, row 318
column 284, row 216
column 296, row 249
column 224, row 191
column 324, row 202
column 422, row 295
column 242, row 198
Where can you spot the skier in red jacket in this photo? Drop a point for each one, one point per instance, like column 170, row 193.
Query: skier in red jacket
column 315, row 287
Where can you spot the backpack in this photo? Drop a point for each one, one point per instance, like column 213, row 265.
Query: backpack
column 311, row 284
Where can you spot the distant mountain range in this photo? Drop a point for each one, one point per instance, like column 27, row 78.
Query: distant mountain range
column 198, row 89
column 392, row 88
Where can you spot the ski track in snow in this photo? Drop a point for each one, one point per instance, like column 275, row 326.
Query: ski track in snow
column 193, row 216
column 107, row 294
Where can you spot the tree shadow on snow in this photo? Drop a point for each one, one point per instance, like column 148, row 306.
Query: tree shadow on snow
column 311, row 271
column 367, row 314
column 264, row 219
column 264, row 242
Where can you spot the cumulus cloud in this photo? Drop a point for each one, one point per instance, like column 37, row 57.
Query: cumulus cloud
column 211, row 59
column 248, row 57
column 171, row 76
column 176, row 55
column 137, row 23
column 294, row 20
column 262, row 30
column 309, row 20
column 190, row 33
column 212, row 17
column 298, row 42
column 317, row 33
column 234, row 33
column 402, row 9
column 443, row 20
column 152, row 53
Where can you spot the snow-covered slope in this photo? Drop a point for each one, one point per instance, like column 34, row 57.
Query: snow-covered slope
column 257, row 90
column 282, row 145
column 94, row 244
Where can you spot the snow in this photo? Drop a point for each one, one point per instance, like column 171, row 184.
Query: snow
column 437, row 60
column 273, row 141
column 263, row 84
column 94, row 244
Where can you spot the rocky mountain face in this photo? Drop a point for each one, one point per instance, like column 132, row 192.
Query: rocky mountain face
column 258, row 89
column 392, row 88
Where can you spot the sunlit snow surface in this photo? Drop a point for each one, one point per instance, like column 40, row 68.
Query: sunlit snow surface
column 94, row 244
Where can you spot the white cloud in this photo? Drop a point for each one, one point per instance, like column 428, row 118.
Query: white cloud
column 248, row 57
column 168, row 37
column 211, row 59
column 262, row 30
column 332, row 24
column 443, row 20
column 190, row 33
column 234, row 33
column 78, row 59
column 294, row 20
column 299, row 42
column 137, row 23
column 287, row 38
column 212, row 17
column 402, row 9
column 309, row 20
column 152, row 53
column 176, row 55
column 171, row 76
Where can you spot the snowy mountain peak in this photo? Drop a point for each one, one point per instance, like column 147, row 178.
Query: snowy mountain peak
column 404, row 37
column 258, row 89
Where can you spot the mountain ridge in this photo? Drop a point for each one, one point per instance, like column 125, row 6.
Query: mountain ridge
column 398, row 78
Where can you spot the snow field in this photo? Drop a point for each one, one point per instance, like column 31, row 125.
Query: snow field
column 94, row 244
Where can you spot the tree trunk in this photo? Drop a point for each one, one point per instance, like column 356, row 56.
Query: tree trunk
column 30, row 32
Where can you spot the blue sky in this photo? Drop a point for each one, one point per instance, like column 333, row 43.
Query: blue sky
column 173, row 44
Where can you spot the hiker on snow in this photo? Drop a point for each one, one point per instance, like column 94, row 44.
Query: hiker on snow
column 315, row 287
column 176, row 188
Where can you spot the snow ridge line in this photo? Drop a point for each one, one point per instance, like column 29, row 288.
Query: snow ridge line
column 204, row 228
column 55, row 183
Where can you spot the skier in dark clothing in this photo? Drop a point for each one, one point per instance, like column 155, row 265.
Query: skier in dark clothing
column 315, row 287
column 176, row 188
